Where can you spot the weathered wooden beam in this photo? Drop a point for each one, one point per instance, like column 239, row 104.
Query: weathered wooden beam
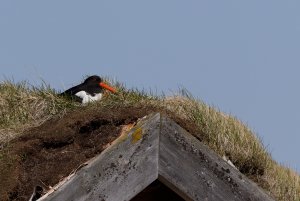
column 197, row 173
column 120, row 172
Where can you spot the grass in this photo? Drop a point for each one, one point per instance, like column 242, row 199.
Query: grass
column 23, row 106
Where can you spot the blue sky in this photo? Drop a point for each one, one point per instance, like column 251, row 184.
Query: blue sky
column 240, row 56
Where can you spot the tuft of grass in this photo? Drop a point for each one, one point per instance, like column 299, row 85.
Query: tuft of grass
column 23, row 106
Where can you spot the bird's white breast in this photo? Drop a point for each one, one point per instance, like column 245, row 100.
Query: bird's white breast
column 86, row 98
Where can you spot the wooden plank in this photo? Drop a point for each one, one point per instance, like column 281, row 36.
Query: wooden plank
column 196, row 173
column 120, row 172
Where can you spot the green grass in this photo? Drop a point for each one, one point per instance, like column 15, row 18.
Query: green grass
column 23, row 106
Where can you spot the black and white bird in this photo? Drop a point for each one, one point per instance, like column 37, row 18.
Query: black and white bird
column 90, row 90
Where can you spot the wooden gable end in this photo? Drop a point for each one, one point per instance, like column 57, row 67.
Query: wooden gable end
column 156, row 149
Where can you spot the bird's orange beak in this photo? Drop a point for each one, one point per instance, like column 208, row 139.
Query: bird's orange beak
column 105, row 86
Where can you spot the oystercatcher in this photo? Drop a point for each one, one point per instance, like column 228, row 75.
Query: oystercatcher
column 88, row 91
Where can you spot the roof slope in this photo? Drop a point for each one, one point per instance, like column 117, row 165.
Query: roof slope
column 156, row 148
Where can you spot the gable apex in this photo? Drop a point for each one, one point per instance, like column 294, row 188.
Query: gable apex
column 156, row 148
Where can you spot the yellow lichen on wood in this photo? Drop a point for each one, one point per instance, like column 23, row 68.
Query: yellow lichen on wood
column 137, row 135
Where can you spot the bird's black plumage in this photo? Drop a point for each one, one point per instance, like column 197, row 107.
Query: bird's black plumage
column 90, row 87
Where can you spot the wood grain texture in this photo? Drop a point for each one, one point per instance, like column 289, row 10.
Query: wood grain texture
column 157, row 148
column 120, row 172
column 196, row 173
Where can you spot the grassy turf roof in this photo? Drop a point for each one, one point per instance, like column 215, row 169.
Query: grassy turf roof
column 23, row 106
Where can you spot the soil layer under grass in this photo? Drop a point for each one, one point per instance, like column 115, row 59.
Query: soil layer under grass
column 46, row 154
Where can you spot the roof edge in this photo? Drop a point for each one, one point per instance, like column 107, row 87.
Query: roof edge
column 156, row 148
